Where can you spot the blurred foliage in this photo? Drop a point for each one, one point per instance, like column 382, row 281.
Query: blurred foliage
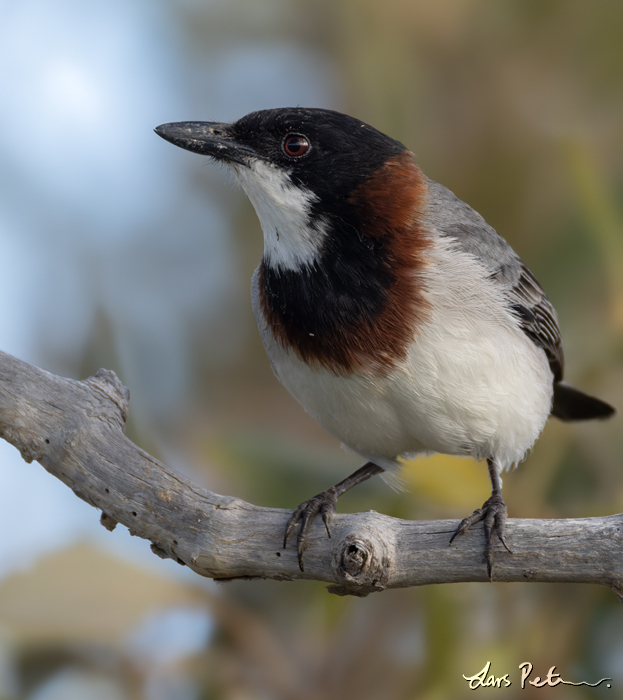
column 517, row 107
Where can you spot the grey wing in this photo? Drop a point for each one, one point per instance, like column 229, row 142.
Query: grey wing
column 537, row 316
column 526, row 299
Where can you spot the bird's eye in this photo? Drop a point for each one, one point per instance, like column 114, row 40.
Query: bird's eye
column 295, row 145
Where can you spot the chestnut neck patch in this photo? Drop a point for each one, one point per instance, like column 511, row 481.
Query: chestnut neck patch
column 358, row 306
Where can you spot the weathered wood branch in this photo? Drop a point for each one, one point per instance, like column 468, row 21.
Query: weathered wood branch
column 74, row 429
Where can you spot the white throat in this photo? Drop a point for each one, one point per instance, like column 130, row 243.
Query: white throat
column 292, row 240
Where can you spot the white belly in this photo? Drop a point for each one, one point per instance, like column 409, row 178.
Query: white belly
column 473, row 384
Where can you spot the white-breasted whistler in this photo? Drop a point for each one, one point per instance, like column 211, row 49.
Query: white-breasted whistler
column 398, row 318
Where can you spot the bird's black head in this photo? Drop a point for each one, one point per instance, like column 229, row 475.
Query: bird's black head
column 324, row 151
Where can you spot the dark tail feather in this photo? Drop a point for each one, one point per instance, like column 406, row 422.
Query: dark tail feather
column 572, row 404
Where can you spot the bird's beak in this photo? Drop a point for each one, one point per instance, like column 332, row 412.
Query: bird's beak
column 207, row 138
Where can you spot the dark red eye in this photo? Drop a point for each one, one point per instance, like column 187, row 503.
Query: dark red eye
column 295, row 145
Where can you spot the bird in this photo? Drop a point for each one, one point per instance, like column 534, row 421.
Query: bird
column 399, row 319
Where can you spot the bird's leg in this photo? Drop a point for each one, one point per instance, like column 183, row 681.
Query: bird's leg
column 493, row 512
column 325, row 504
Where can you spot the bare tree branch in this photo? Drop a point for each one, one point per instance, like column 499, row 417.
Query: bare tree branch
column 74, row 429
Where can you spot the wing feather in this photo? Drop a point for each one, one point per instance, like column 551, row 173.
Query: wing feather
column 526, row 299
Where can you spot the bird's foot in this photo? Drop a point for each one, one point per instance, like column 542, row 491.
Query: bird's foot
column 325, row 505
column 493, row 512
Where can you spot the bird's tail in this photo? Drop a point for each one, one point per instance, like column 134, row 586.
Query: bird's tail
column 572, row 404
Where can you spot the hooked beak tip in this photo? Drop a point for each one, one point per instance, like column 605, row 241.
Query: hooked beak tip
column 206, row 138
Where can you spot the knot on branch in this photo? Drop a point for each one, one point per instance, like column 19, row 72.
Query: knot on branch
column 108, row 522
column 362, row 562
column 30, row 450
column 108, row 383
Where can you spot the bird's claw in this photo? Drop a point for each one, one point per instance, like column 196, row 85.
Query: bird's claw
column 325, row 505
column 493, row 512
